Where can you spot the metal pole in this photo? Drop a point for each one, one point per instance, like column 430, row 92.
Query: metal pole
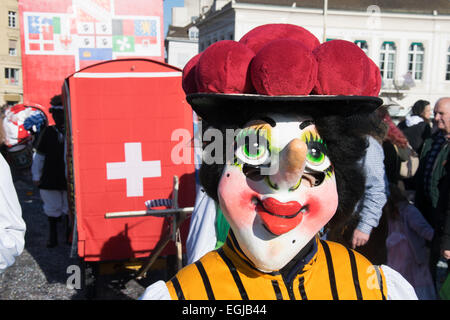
column 325, row 13
column 143, row 213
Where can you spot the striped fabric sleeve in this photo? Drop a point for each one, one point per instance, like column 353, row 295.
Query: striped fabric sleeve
column 371, row 205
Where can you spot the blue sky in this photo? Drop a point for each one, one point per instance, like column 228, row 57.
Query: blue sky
column 167, row 5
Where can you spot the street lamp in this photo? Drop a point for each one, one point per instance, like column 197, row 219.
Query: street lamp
column 325, row 11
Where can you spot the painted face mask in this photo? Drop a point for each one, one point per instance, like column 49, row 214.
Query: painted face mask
column 279, row 190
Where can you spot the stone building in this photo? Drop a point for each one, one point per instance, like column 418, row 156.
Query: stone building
column 11, row 90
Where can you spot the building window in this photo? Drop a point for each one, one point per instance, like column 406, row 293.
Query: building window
column 387, row 60
column 11, row 76
column 193, row 33
column 415, row 60
column 12, row 47
column 363, row 45
column 11, row 19
column 447, row 74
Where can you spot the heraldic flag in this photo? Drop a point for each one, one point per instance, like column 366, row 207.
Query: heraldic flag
column 61, row 37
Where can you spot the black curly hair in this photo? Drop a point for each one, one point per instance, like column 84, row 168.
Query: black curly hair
column 346, row 144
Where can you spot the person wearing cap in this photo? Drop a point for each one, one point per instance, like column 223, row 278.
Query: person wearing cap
column 48, row 170
column 290, row 169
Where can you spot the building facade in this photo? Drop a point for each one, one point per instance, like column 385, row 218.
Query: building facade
column 181, row 44
column 11, row 89
column 410, row 44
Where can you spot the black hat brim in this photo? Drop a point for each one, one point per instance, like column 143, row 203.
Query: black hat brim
column 219, row 109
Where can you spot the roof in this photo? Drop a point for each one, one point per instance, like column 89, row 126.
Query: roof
column 174, row 32
column 178, row 32
column 393, row 6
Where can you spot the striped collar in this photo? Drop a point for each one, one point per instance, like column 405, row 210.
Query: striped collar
column 295, row 266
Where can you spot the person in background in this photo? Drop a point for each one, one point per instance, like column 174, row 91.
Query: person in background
column 393, row 142
column 366, row 231
column 48, row 171
column 416, row 126
column 433, row 186
column 12, row 225
column 406, row 243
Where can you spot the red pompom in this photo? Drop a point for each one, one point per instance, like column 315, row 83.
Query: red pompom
column 284, row 67
column 189, row 83
column 258, row 37
column 344, row 69
column 224, row 68
column 373, row 85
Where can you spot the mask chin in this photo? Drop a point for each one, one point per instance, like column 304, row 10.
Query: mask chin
column 268, row 252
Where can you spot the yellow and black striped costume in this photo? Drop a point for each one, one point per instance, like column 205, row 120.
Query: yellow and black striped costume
column 334, row 272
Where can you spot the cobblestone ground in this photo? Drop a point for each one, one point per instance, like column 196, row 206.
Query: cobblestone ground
column 40, row 273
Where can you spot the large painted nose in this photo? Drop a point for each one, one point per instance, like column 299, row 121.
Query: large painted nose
column 292, row 161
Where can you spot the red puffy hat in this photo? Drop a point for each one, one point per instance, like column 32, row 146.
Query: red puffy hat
column 258, row 37
column 224, row 68
column 344, row 69
column 280, row 66
column 189, row 82
column 269, row 66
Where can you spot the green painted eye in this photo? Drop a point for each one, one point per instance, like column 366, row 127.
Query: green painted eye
column 315, row 155
column 252, row 149
column 253, row 152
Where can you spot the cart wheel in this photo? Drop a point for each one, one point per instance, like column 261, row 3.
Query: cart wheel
column 89, row 274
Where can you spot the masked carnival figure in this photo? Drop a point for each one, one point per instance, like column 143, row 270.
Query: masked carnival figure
column 286, row 107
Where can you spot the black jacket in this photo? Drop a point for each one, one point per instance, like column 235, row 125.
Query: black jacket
column 416, row 134
column 54, row 171
column 444, row 202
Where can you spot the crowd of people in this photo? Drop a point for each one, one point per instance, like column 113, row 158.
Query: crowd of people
column 403, row 219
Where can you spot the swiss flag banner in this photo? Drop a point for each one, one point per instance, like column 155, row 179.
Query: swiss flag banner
column 60, row 37
column 130, row 134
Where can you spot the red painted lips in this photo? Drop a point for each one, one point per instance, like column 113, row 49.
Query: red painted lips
column 279, row 217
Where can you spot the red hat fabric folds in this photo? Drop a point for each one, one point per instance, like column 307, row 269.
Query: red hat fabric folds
column 282, row 59
column 224, row 68
column 268, row 69
column 258, row 37
column 189, row 82
column 344, row 69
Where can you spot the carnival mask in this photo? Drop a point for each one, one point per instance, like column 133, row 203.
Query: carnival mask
column 279, row 190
